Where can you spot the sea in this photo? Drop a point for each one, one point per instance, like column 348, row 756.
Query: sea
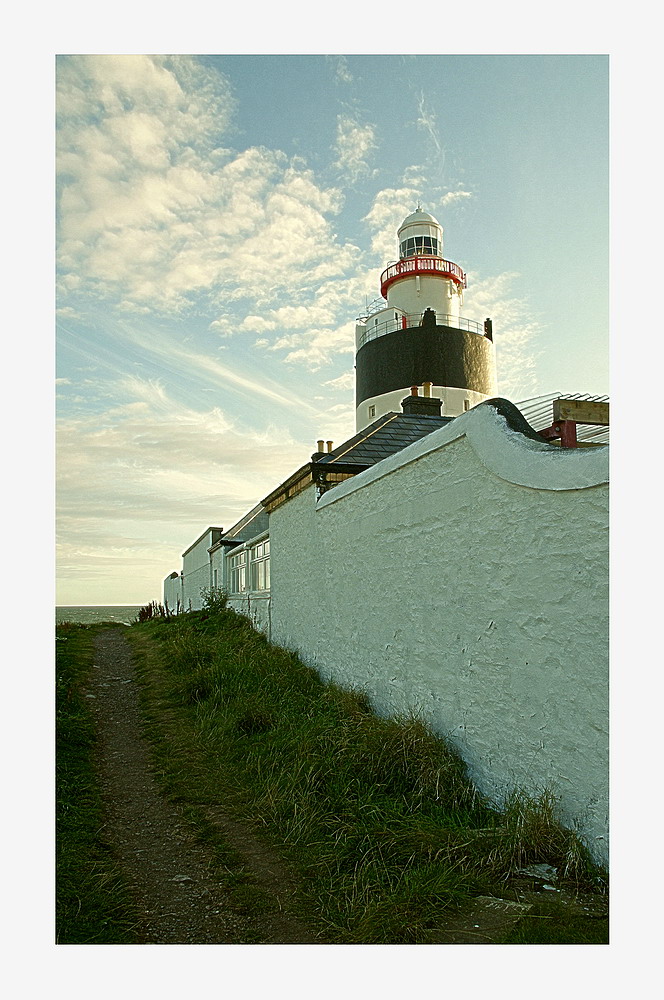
column 91, row 614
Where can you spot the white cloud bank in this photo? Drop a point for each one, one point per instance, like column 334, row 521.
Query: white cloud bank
column 154, row 210
column 146, row 477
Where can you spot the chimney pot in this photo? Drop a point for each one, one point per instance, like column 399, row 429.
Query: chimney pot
column 329, row 447
column 414, row 390
column 422, row 405
column 321, row 446
column 427, row 388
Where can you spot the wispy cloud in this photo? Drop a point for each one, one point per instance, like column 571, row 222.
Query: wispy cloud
column 154, row 211
column 355, row 143
column 452, row 197
column 342, row 73
column 426, row 120
column 153, row 468
column 344, row 382
column 516, row 331
column 389, row 205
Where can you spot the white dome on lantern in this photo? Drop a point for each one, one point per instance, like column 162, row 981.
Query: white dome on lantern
column 420, row 233
column 419, row 216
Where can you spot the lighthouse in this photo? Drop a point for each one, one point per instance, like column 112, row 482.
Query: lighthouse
column 415, row 333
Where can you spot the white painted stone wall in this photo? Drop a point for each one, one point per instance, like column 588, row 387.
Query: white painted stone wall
column 196, row 569
column 467, row 578
column 413, row 294
column 454, row 403
column 173, row 592
column 257, row 608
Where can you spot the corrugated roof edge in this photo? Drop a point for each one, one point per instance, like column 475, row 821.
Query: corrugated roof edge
column 508, row 447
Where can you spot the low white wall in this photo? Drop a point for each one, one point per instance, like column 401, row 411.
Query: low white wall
column 467, row 578
column 194, row 582
column 196, row 570
column 173, row 592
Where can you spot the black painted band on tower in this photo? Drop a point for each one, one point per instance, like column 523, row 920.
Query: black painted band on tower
column 442, row 355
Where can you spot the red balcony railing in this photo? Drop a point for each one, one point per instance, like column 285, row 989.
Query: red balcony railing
column 421, row 265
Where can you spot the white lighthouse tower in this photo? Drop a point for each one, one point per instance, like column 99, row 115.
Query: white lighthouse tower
column 415, row 334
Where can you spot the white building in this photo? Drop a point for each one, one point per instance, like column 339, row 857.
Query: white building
column 447, row 559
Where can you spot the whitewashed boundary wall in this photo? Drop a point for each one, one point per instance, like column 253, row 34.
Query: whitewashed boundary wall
column 257, row 609
column 466, row 578
column 173, row 592
column 196, row 569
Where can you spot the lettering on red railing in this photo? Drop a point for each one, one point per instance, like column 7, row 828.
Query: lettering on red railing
column 417, row 265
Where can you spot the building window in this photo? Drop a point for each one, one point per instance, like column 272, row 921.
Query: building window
column 466, row 404
column 238, row 573
column 250, row 569
column 215, row 579
column 372, row 411
column 260, row 566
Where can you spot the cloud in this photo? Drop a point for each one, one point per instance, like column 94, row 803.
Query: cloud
column 426, row 120
column 154, row 212
column 390, row 207
column 354, row 145
column 454, row 196
column 163, row 349
column 148, row 474
column 314, row 334
column 344, row 382
column 315, row 348
column 515, row 331
column 341, row 72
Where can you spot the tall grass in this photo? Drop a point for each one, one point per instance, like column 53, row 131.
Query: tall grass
column 378, row 814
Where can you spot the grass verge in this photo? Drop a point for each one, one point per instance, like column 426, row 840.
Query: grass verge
column 92, row 904
column 378, row 817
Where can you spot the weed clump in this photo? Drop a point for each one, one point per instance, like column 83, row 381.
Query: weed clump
column 530, row 832
column 151, row 611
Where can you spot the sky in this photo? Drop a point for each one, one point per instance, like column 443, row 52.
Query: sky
column 223, row 220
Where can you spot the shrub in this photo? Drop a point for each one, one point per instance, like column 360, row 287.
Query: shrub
column 215, row 600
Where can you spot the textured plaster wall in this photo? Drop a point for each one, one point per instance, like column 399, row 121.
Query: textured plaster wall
column 196, row 569
column 219, row 563
column 173, row 592
column 453, row 403
column 434, row 292
column 256, row 608
column 467, row 578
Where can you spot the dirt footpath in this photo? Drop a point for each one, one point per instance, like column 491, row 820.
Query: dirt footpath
column 170, row 874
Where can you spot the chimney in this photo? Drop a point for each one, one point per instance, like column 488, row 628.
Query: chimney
column 320, row 451
column 426, row 405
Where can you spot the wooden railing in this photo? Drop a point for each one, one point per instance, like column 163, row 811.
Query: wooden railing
column 567, row 413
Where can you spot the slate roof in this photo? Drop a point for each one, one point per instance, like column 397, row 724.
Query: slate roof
column 390, row 433
column 254, row 523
